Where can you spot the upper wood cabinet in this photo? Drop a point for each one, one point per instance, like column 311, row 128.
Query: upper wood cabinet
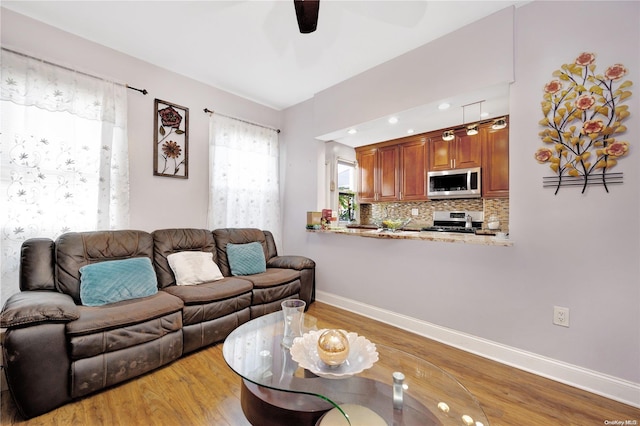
column 388, row 171
column 367, row 160
column 460, row 153
column 413, row 170
column 495, row 163
column 378, row 169
column 393, row 172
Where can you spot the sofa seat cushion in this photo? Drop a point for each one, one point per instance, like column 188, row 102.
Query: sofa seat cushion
column 113, row 340
column 95, row 319
column 210, row 292
column 273, row 277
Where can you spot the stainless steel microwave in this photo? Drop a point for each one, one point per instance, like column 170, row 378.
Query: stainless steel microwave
column 457, row 183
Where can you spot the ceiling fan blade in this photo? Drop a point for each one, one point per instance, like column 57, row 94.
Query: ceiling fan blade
column 307, row 14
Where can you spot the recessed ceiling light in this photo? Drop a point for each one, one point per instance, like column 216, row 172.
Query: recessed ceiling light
column 352, row 131
column 409, row 131
column 443, row 106
column 484, row 114
column 393, row 120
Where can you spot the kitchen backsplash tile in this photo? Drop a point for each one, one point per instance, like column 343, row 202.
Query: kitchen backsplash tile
column 370, row 213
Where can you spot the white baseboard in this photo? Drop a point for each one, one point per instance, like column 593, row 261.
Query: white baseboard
column 601, row 384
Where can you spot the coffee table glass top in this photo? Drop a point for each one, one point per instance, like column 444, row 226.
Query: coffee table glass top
column 430, row 396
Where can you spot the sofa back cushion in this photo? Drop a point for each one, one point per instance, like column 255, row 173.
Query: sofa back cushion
column 224, row 236
column 169, row 241
column 76, row 249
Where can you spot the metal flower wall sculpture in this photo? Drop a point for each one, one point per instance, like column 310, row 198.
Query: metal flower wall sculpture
column 170, row 118
column 583, row 115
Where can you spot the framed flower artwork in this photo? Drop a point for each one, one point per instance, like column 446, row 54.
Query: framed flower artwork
column 171, row 140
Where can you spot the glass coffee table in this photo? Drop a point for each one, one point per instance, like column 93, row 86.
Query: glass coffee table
column 277, row 391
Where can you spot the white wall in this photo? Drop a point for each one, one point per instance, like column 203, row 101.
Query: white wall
column 403, row 83
column 573, row 250
column 156, row 202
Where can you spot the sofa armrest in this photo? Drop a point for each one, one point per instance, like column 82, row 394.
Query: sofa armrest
column 291, row 262
column 37, row 367
column 36, row 307
column 307, row 268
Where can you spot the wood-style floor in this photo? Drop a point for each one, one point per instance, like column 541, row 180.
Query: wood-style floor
column 200, row 389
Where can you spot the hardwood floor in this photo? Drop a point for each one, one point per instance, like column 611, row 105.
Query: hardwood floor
column 200, row 389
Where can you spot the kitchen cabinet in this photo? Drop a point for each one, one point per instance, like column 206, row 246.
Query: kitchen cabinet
column 396, row 170
column 366, row 159
column 413, row 170
column 388, row 170
column 378, row 171
column 460, row 153
column 495, row 162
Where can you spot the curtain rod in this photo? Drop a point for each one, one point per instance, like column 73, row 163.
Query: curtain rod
column 143, row 91
column 207, row 110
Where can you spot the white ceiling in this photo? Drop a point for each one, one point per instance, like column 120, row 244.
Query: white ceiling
column 253, row 48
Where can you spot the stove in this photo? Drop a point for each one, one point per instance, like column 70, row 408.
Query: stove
column 455, row 221
column 457, row 229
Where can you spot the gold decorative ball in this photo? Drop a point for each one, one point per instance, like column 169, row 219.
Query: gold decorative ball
column 333, row 347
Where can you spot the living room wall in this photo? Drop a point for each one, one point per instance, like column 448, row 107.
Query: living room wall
column 156, row 202
column 575, row 250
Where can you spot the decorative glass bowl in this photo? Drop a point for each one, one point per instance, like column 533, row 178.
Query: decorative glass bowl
column 392, row 225
column 362, row 355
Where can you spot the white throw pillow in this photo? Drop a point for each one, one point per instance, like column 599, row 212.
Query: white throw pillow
column 194, row 267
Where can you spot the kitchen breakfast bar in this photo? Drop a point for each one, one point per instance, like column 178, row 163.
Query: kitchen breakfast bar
column 448, row 237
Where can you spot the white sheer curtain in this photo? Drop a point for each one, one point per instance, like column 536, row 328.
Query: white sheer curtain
column 244, row 189
column 63, row 156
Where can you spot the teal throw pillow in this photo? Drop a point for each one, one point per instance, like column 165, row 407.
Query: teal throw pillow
column 116, row 280
column 246, row 259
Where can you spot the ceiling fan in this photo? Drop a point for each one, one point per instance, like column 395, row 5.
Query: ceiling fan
column 307, row 14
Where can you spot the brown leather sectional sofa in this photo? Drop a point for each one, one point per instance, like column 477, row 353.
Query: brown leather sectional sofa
column 56, row 350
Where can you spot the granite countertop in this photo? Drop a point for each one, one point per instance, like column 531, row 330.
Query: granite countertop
column 449, row 237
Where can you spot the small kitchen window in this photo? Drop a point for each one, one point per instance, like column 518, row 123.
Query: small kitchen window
column 346, row 171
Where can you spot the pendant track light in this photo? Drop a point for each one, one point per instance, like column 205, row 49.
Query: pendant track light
column 500, row 123
column 448, row 135
column 472, row 129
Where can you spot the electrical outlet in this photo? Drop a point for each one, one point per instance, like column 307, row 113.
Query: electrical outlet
column 561, row 316
column 414, row 212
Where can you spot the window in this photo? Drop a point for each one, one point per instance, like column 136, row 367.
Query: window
column 346, row 191
column 63, row 156
column 244, row 176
